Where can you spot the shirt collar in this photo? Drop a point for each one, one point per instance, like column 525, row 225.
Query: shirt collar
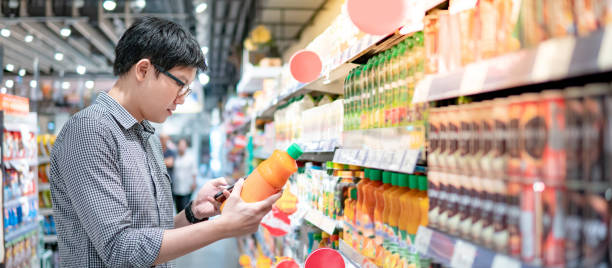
column 125, row 119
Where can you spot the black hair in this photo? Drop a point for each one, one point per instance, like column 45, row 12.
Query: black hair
column 164, row 42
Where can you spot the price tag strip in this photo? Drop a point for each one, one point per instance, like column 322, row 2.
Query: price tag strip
column 422, row 240
column 463, row 255
column 604, row 61
column 553, row 59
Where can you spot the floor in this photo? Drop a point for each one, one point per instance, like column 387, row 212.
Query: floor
column 222, row 254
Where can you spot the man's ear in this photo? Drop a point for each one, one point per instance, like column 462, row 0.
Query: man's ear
column 141, row 68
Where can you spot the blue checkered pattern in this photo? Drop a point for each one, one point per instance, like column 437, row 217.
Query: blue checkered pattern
column 111, row 192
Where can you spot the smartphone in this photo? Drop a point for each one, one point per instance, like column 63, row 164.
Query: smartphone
column 219, row 197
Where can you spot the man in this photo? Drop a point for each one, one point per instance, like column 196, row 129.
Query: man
column 185, row 172
column 169, row 155
column 111, row 193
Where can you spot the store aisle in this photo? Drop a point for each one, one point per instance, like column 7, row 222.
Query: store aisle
column 222, row 254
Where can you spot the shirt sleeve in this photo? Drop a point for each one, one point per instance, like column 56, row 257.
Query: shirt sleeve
column 93, row 183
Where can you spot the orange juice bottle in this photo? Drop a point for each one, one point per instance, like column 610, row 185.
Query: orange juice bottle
column 423, row 201
column 359, row 210
column 349, row 215
column 387, row 208
column 378, row 216
column 409, row 218
column 403, row 182
column 271, row 175
column 369, row 206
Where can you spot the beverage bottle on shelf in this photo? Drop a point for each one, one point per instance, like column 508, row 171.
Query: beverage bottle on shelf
column 360, row 210
column 374, row 95
column 349, row 219
column 347, row 99
column 423, row 201
column 369, row 205
column 378, row 215
column 357, row 103
column 410, row 213
column 388, row 87
column 394, row 216
column 380, row 76
column 387, row 196
column 399, row 76
column 271, row 175
column 365, row 96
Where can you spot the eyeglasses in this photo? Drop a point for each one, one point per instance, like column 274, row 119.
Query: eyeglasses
column 184, row 91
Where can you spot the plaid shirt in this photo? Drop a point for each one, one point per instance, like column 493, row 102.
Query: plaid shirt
column 110, row 189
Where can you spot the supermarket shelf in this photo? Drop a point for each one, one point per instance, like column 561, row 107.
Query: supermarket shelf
column 44, row 186
column 321, row 221
column 243, row 127
column 399, row 161
column 320, row 157
column 50, row 239
column 455, row 252
column 261, row 155
column 21, row 231
column 253, row 77
column 20, row 200
column 46, row 211
column 20, row 163
column 355, row 259
column 549, row 61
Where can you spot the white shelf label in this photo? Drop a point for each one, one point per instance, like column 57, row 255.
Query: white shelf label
column 457, row 6
column 604, row 61
column 321, row 221
column 473, row 78
column 422, row 240
column 397, row 161
column 421, row 92
column 553, row 59
column 410, row 160
column 463, row 255
column 502, row 261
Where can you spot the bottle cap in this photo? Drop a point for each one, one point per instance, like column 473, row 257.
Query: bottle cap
column 295, row 151
column 386, row 177
column 354, row 193
column 375, row 174
column 423, row 183
column 366, row 173
column 404, row 180
column 414, row 182
column 394, row 179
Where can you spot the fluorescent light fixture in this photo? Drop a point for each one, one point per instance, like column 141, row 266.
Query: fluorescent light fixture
column 28, row 38
column 9, row 83
column 201, row 7
column 81, row 69
column 109, row 5
column 22, row 72
column 139, row 4
column 10, row 67
column 89, row 84
column 203, row 78
column 3, row 90
column 204, row 50
column 65, row 85
column 5, row 32
column 59, row 56
column 33, row 83
column 65, row 32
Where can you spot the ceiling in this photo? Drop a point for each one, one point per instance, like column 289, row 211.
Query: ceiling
column 222, row 27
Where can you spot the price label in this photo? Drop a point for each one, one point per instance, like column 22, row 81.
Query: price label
column 397, row 161
column 553, row 59
column 473, row 78
column 457, row 6
column 410, row 160
column 422, row 240
column 338, row 156
column 421, row 92
column 502, row 261
column 387, row 159
column 463, row 255
column 604, row 61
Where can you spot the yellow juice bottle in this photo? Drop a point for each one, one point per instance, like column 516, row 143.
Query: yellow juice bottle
column 403, row 182
column 409, row 218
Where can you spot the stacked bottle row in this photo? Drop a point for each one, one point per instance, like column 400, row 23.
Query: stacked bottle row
column 503, row 171
column 379, row 93
column 383, row 214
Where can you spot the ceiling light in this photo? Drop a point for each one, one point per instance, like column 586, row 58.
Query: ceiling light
column 28, row 38
column 81, row 69
column 10, row 67
column 89, row 84
column 201, row 7
column 5, row 32
column 3, row 90
column 138, row 5
column 65, row 85
column 109, row 5
column 9, row 83
column 205, row 50
column 22, row 72
column 33, row 83
column 59, row 56
column 65, row 32
column 203, row 78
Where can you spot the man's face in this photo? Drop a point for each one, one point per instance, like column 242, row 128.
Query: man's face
column 160, row 96
column 182, row 146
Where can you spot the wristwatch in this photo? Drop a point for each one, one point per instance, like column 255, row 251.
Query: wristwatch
column 189, row 214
